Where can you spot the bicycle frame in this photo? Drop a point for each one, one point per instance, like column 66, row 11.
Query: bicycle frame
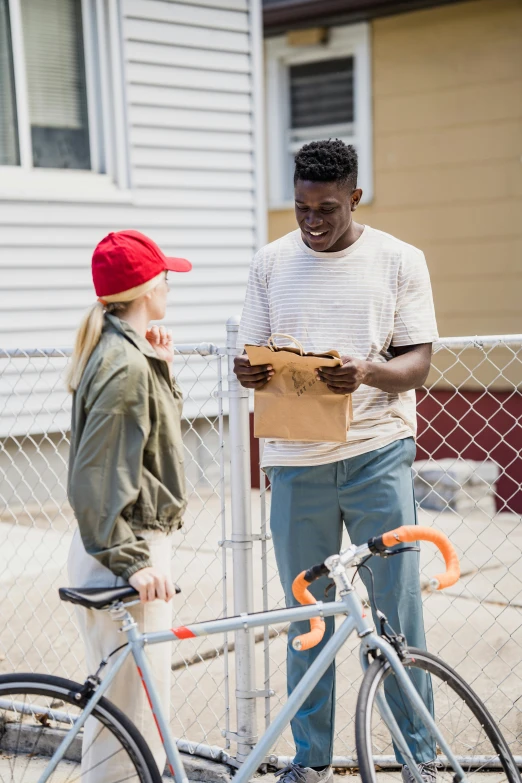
column 349, row 605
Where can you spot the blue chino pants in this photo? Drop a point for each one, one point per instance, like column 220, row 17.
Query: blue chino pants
column 370, row 493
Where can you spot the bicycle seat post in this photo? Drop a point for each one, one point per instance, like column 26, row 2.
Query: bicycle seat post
column 119, row 613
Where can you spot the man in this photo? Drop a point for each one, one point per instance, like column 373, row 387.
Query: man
column 337, row 284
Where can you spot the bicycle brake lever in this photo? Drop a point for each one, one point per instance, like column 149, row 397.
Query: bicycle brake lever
column 390, row 552
column 328, row 588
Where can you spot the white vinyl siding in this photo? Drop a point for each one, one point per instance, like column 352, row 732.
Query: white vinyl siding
column 189, row 105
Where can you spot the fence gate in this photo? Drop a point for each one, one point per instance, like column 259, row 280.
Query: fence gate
column 468, row 482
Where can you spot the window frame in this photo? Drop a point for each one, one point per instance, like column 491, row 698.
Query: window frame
column 344, row 41
column 103, row 56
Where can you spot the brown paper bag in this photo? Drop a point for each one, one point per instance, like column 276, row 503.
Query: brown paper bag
column 294, row 405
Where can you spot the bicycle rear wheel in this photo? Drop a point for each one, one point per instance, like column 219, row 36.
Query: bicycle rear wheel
column 36, row 711
column 462, row 718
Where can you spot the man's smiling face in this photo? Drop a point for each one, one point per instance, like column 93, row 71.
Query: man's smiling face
column 324, row 213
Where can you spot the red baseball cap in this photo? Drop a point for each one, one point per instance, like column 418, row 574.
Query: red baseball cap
column 127, row 259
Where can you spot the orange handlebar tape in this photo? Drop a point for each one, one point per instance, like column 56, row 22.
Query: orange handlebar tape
column 409, row 533
column 317, row 624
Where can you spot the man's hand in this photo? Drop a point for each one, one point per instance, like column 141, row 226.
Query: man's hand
column 408, row 369
column 252, row 377
column 151, row 583
column 346, row 378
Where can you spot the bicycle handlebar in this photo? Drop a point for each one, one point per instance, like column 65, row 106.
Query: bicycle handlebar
column 377, row 545
column 409, row 533
column 304, row 596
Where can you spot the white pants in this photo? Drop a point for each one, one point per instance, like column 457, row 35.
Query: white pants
column 100, row 636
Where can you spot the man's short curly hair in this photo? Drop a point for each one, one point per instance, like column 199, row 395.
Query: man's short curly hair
column 330, row 160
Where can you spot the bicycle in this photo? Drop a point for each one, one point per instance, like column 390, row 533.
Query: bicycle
column 467, row 740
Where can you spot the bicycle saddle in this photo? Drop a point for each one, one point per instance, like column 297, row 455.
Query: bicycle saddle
column 99, row 597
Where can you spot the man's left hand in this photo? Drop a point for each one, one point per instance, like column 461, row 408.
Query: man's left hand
column 346, row 378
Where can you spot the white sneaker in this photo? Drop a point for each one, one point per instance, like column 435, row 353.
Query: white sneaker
column 295, row 773
column 428, row 772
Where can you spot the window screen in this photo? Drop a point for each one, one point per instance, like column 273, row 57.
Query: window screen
column 53, row 42
column 321, row 93
column 9, row 154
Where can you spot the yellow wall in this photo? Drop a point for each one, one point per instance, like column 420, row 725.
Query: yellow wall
column 447, row 98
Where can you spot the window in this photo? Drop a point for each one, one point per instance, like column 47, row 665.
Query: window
column 56, row 84
column 9, row 155
column 61, row 87
column 318, row 92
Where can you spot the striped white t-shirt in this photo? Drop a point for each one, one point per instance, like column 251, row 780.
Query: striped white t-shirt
column 359, row 301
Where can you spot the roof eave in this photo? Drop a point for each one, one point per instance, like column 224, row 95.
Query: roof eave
column 282, row 15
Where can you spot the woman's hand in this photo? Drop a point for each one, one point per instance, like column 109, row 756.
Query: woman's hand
column 151, row 583
column 161, row 340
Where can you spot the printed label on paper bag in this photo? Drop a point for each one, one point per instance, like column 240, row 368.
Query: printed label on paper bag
column 301, row 379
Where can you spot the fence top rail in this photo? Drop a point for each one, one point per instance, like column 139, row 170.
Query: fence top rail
column 203, row 349
column 478, row 341
column 209, row 349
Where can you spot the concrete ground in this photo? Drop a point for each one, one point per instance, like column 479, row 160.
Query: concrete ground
column 476, row 625
column 69, row 771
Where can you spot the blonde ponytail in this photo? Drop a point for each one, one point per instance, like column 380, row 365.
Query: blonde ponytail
column 87, row 338
column 90, row 329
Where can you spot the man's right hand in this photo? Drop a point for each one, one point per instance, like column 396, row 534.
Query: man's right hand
column 252, row 377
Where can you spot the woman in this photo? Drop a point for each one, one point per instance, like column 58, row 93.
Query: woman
column 126, row 481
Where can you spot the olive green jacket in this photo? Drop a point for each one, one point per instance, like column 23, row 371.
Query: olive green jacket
column 126, row 458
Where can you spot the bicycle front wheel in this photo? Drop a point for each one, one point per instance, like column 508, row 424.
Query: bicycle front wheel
column 36, row 711
column 460, row 715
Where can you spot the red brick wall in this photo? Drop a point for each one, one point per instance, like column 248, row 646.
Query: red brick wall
column 475, row 425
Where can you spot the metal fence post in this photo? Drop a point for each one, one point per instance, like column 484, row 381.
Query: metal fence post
column 241, row 544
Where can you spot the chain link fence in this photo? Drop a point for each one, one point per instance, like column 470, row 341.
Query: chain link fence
column 468, row 479
column 36, row 525
column 468, row 483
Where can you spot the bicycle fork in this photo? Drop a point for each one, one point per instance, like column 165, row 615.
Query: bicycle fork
column 372, row 642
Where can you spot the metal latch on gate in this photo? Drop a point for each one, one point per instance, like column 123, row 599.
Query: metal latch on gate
column 255, row 694
column 239, row 738
column 231, row 394
column 228, row 542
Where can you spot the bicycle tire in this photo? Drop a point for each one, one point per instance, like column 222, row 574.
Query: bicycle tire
column 441, row 673
column 26, row 727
